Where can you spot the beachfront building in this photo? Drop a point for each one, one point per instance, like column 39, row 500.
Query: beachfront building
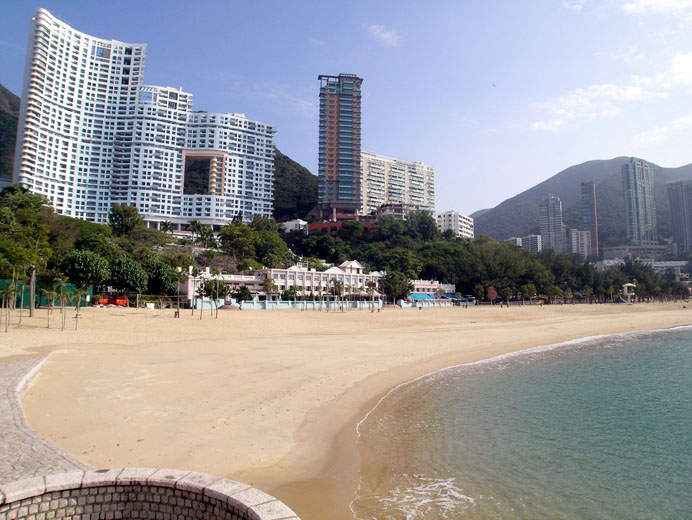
column 680, row 197
column 461, row 225
column 308, row 282
column 552, row 227
column 589, row 213
column 640, row 207
column 91, row 135
column 433, row 288
column 392, row 181
column 339, row 173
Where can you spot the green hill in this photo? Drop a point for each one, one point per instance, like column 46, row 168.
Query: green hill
column 295, row 188
column 9, row 115
column 518, row 216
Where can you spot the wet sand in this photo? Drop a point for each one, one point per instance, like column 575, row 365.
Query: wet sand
column 271, row 398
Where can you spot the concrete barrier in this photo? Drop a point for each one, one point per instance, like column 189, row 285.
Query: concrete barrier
column 137, row 493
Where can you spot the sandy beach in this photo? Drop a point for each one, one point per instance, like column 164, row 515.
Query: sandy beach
column 271, row 398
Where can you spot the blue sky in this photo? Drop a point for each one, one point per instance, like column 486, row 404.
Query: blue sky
column 495, row 95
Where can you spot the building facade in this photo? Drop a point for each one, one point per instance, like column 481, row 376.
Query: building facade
column 640, row 207
column 91, row 135
column 532, row 243
column 402, row 211
column 392, row 181
column 339, row 173
column 653, row 252
column 307, row 281
column 551, row 224
column 589, row 213
column 580, row 242
column 680, row 197
column 461, row 225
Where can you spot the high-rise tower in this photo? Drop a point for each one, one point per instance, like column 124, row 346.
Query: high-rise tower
column 552, row 227
column 589, row 212
column 91, row 135
column 680, row 197
column 640, row 207
column 339, row 145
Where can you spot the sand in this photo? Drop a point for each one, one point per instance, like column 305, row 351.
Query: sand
column 271, row 398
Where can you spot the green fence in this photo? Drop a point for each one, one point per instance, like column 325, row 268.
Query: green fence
column 43, row 298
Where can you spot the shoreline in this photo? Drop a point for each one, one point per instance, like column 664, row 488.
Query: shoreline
column 313, row 462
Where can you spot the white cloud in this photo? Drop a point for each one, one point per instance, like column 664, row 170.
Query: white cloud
column 574, row 4
column 553, row 125
column 608, row 99
column 661, row 133
column 383, row 35
column 316, row 42
column 285, row 97
column 655, row 6
column 683, row 122
column 653, row 136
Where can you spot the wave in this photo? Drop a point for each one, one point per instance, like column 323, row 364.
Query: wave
column 421, row 497
column 430, row 494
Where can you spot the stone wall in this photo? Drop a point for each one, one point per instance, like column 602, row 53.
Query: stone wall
column 137, row 493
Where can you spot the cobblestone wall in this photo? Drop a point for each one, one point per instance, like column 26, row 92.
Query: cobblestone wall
column 137, row 493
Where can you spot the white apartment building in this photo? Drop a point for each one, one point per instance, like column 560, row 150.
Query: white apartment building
column 391, row 181
column 579, row 242
column 460, row 224
column 91, row 135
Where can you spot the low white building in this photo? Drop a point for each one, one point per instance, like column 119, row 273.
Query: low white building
column 432, row 287
column 462, row 225
column 294, row 225
column 306, row 281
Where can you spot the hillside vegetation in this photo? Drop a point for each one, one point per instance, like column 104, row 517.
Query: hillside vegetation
column 9, row 115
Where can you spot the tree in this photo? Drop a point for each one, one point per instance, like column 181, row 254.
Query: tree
column 492, row 294
column 216, row 290
column 206, row 238
column 163, row 280
column 270, row 286
column 264, row 223
column 238, row 240
column 396, row 285
column 84, row 268
column 290, row 293
column 167, row 227
column 128, row 275
column 403, row 261
column 351, row 231
column 242, row 294
column 196, row 228
column 124, row 219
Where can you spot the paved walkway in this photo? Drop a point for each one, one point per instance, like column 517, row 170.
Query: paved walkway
column 23, row 452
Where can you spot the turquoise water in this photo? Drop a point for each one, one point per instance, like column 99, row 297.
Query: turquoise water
column 595, row 429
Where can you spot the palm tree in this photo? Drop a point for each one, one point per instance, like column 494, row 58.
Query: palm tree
column 167, row 227
column 9, row 293
column 196, row 228
column 50, row 297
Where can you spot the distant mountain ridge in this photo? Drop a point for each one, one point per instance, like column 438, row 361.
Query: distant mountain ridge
column 9, row 116
column 518, row 216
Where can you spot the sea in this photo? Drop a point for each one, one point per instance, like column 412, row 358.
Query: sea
column 599, row 428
